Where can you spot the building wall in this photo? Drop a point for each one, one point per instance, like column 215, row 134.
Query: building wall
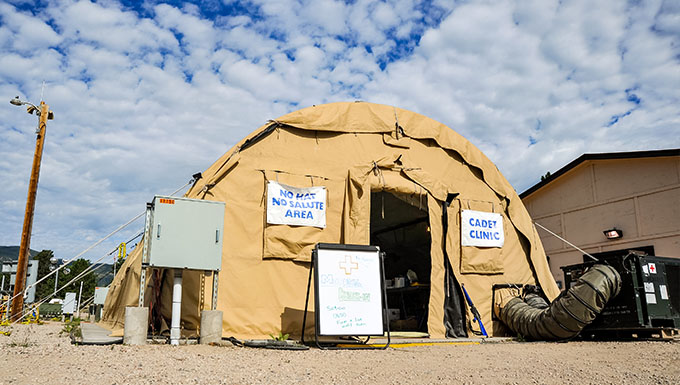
column 640, row 196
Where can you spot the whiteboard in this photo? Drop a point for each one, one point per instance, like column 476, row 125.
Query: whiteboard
column 348, row 284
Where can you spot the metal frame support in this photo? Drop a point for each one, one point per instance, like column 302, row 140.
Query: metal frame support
column 216, row 279
column 145, row 253
column 142, row 284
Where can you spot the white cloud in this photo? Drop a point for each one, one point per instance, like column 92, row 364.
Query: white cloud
column 248, row 41
column 327, row 15
column 107, row 27
column 27, row 33
column 143, row 98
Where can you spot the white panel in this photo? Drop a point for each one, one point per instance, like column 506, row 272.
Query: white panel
column 651, row 298
column 31, row 277
column 69, row 305
column 100, row 295
column 649, row 287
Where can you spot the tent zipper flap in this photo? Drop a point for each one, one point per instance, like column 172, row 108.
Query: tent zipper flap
column 455, row 315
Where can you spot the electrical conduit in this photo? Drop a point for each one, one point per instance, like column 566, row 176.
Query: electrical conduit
column 176, row 308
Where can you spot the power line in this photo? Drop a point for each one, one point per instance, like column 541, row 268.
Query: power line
column 85, row 251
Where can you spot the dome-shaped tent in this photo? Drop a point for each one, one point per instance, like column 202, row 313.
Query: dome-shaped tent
column 393, row 178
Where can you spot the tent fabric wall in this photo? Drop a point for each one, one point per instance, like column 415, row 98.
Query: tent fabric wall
column 123, row 292
column 352, row 149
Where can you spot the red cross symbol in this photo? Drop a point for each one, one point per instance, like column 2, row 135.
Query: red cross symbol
column 348, row 265
column 652, row 268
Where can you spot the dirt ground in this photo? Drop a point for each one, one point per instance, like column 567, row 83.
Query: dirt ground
column 39, row 354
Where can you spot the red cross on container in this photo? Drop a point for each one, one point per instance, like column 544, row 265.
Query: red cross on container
column 348, row 265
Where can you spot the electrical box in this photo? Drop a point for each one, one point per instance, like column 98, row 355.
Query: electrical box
column 184, row 233
column 650, row 292
column 69, row 304
column 100, row 294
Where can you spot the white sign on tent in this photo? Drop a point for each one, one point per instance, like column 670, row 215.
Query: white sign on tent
column 481, row 229
column 296, row 206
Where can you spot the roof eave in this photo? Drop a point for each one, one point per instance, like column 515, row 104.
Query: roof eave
column 599, row 156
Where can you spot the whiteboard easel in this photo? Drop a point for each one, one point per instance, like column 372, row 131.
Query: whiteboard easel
column 349, row 289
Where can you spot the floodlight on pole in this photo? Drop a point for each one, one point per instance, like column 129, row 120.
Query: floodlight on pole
column 54, row 264
column 16, row 101
column 44, row 114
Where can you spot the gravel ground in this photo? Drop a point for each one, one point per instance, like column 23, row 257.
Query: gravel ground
column 39, row 354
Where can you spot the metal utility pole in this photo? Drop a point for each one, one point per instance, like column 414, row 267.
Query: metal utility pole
column 56, row 281
column 43, row 113
column 80, row 293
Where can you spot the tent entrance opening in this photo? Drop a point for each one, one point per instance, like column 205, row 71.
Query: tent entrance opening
column 400, row 227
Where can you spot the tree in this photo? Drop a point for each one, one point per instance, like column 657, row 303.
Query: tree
column 120, row 261
column 119, row 264
column 89, row 280
column 546, row 176
column 46, row 287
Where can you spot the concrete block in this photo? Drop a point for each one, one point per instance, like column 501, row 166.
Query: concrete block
column 136, row 325
column 211, row 327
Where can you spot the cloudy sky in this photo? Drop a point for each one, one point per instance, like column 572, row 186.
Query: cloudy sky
column 147, row 93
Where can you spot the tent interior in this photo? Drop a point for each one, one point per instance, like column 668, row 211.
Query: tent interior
column 400, row 227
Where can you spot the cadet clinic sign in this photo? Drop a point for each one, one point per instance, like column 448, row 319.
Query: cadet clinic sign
column 481, row 229
column 296, row 206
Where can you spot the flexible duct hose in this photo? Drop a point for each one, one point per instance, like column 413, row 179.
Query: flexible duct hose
column 569, row 313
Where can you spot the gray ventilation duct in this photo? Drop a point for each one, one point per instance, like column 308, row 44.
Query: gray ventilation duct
column 532, row 317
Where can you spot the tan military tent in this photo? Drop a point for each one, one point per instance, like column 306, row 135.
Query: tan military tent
column 393, row 178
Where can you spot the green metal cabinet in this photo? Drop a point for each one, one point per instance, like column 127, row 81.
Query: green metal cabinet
column 650, row 292
column 185, row 233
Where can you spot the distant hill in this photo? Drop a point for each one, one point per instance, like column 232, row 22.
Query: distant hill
column 104, row 274
column 11, row 253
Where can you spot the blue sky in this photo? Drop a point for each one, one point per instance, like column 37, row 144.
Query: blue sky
column 145, row 94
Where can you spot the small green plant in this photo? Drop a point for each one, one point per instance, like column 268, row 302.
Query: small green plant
column 24, row 344
column 280, row 337
column 72, row 327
